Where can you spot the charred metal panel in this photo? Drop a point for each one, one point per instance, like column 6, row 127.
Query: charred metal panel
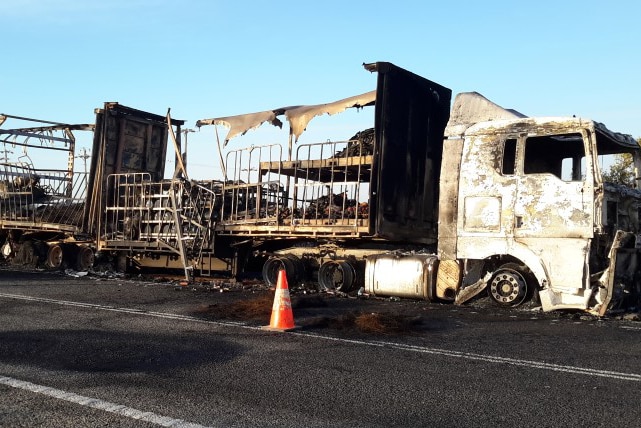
column 156, row 149
column 548, row 207
column 133, row 147
column 565, row 262
column 448, row 198
column 470, row 108
column 411, row 115
column 482, row 213
column 133, row 140
column 556, row 186
column 126, row 140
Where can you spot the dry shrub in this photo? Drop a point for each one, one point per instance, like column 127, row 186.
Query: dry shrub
column 373, row 323
column 340, row 322
column 258, row 308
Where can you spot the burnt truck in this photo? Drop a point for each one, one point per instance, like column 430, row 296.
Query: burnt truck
column 434, row 200
column 436, row 203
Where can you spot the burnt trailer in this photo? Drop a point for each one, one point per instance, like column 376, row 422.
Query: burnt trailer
column 42, row 194
column 57, row 213
column 136, row 214
column 436, row 203
column 139, row 217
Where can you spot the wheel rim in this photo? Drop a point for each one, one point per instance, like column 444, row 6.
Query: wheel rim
column 508, row 287
column 54, row 256
column 337, row 275
column 292, row 266
column 84, row 259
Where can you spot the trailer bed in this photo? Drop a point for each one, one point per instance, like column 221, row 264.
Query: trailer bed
column 322, row 193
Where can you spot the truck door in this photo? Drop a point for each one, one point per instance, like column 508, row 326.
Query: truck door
column 487, row 192
column 554, row 208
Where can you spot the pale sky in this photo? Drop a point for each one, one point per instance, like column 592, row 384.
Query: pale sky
column 63, row 58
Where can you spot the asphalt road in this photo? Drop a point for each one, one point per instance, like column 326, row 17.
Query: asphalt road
column 88, row 352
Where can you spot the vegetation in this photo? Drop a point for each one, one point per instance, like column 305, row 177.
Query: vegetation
column 622, row 170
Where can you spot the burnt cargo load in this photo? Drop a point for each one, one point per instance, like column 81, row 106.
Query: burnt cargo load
column 42, row 194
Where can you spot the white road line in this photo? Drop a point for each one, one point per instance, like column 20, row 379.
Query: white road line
column 525, row 363
column 96, row 403
column 634, row 377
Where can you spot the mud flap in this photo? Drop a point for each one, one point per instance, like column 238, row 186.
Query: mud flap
column 472, row 281
column 465, row 294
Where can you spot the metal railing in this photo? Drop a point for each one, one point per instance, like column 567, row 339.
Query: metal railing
column 40, row 198
column 325, row 186
column 155, row 216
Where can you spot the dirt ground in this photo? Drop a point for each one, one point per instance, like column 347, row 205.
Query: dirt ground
column 251, row 301
column 354, row 312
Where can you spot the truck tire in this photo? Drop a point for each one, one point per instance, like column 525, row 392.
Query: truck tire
column 511, row 285
column 84, row 258
column 55, row 255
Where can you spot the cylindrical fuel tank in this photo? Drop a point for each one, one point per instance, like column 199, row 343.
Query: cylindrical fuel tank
column 411, row 276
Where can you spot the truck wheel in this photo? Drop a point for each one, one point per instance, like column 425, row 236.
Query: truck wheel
column 509, row 285
column 54, row 256
column 337, row 275
column 291, row 264
column 26, row 254
column 84, row 259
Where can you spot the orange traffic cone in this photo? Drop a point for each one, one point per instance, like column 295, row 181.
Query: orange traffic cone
column 282, row 316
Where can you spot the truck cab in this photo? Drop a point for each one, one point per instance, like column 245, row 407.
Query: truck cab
column 524, row 208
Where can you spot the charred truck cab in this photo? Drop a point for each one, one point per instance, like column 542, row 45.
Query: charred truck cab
column 524, row 209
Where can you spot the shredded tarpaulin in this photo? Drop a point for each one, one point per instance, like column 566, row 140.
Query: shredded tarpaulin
column 240, row 124
column 297, row 116
column 300, row 116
